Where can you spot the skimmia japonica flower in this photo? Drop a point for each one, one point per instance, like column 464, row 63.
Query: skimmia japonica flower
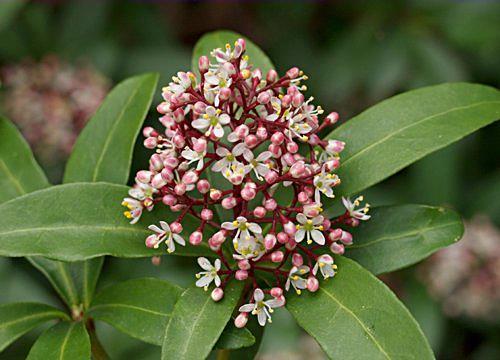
column 232, row 143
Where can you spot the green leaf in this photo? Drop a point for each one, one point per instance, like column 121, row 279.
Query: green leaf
column 59, row 275
column 397, row 132
column 81, row 221
column 233, row 338
column 103, row 151
column 140, row 308
column 19, row 171
column 398, row 236
column 219, row 39
column 197, row 322
column 19, row 318
column 8, row 11
column 64, row 341
column 355, row 316
column 86, row 273
column 249, row 353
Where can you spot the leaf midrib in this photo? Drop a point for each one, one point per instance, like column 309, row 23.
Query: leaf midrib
column 401, row 235
column 65, row 341
column 365, row 329
column 29, row 317
column 128, row 306
column 413, row 124
column 12, row 178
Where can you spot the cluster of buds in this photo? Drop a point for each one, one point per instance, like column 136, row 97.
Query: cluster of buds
column 233, row 142
column 50, row 101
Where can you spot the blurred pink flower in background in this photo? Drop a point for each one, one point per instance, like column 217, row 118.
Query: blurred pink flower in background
column 50, row 101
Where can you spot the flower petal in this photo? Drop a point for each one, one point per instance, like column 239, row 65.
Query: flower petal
column 204, row 263
column 258, row 295
column 318, row 237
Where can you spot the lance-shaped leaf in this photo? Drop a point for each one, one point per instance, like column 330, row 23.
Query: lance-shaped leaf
column 234, row 338
column 86, row 273
column 103, row 151
column 249, row 353
column 140, row 308
column 219, row 39
column 197, row 322
column 64, row 341
column 19, row 318
column 19, row 171
column 397, row 132
column 355, row 316
column 399, row 236
column 81, row 221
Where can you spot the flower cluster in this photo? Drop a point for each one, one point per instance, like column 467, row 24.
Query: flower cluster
column 50, row 101
column 243, row 146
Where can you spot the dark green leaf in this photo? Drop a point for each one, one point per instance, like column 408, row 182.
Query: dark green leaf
column 19, row 171
column 399, row 236
column 249, row 353
column 8, row 11
column 19, row 318
column 355, row 316
column 219, row 39
column 110, row 135
column 398, row 131
column 140, row 308
column 86, row 273
column 64, row 341
column 234, row 338
column 197, row 322
column 81, row 221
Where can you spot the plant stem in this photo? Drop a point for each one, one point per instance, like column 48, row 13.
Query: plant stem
column 223, row 354
column 98, row 351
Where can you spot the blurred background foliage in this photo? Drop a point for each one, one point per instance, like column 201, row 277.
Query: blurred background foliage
column 356, row 53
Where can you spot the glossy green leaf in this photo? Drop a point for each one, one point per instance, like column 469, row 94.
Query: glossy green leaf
column 110, row 135
column 233, row 338
column 355, row 316
column 81, row 221
column 197, row 322
column 59, row 275
column 19, row 171
column 397, row 132
column 140, row 308
column 86, row 273
column 19, row 318
column 64, row 341
column 219, row 39
column 249, row 353
column 398, row 236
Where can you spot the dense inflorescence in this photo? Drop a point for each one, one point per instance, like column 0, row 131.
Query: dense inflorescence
column 243, row 146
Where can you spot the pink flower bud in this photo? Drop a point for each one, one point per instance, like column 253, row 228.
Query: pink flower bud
column 224, row 94
column 269, row 241
column 144, row 176
column 190, row 177
column 219, row 237
column 229, row 68
column 169, row 200
column 167, row 174
column 282, row 238
column 241, row 275
column 275, row 150
column 332, row 164
column 326, row 224
column 286, row 101
column 171, row 162
column 248, row 193
column 352, row 222
column 200, row 107
column 179, row 115
column 302, row 197
column 229, row 203
column 177, row 207
column 203, row 64
column 241, row 320
column 251, row 141
column 217, row 294
column 270, row 204
column 180, row 189
column 149, row 131
column 150, row 142
column 196, row 238
column 264, row 97
column 152, row 241
column 158, row 181
column 311, row 210
column 346, row 238
column 261, row 133
column 199, row 145
column 312, row 284
column 292, row 147
column 271, row 76
column 298, row 169
column 293, row 72
column 332, row 118
column 176, row 227
column 244, row 264
column 207, row 214
column 271, row 177
column 297, row 260
column 277, row 138
column 276, row 292
column 277, row 256
column 337, row 248
column 335, row 146
column 179, row 141
column 242, row 131
column 289, row 159
column 297, row 100
column 156, row 162
column 259, row 212
column 213, row 245
column 203, row 186
column 291, row 244
column 335, row 234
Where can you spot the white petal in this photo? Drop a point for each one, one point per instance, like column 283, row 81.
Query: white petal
column 261, row 317
column 218, row 131
column 204, row 281
column 318, row 237
column 258, row 295
column 164, row 226
column 254, row 228
column 228, row 225
column 264, row 156
column 239, row 149
column 224, row 119
column 222, row 151
column 179, row 239
column 247, row 308
column 232, row 137
column 219, row 165
column 204, row 263
column 156, row 229
column 317, row 220
column 200, row 124
column 217, row 264
column 301, row 218
column 299, row 235
column 274, row 303
column 217, row 281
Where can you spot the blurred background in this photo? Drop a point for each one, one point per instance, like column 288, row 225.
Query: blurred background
column 58, row 59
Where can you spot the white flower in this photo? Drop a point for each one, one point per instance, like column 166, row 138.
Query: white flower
column 181, row 82
column 194, row 156
column 310, row 228
column 142, row 191
column 276, row 105
column 210, row 273
column 326, row 266
column 214, row 82
column 165, row 234
column 295, row 279
column 141, row 196
column 249, row 248
column 323, row 183
column 134, row 211
column 260, row 307
column 360, row 214
column 212, row 121
column 228, row 158
column 243, row 229
column 258, row 164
